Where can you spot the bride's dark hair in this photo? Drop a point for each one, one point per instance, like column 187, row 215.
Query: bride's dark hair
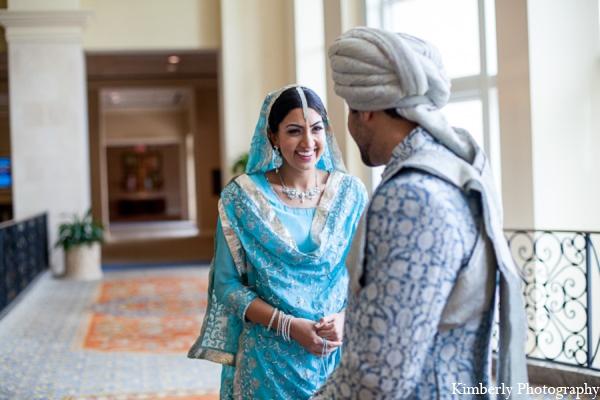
column 290, row 99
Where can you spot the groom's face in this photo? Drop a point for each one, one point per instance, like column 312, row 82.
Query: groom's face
column 362, row 135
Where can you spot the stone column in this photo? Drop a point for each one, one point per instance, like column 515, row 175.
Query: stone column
column 48, row 115
column 340, row 16
column 514, row 100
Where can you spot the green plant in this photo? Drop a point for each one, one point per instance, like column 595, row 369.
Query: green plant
column 79, row 231
column 240, row 164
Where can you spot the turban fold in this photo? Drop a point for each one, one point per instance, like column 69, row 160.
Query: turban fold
column 374, row 69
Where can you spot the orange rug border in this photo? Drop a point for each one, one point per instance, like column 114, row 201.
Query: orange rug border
column 177, row 394
column 83, row 332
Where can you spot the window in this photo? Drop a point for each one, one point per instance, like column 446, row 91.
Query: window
column 464, row 33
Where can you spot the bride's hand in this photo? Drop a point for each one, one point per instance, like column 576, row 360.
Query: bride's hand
column 304, row 332
column 331, row 327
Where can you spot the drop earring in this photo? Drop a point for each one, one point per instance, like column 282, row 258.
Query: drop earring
column 277, row 160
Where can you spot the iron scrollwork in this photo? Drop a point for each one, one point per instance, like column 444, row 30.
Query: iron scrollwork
column 560, row 270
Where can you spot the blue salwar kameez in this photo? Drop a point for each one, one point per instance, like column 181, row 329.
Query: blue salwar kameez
column 291, row 258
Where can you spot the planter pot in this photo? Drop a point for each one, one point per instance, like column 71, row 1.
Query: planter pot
column 83, row 262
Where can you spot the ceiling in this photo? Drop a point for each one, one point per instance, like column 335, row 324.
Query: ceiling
column 122, row 68
column 125, row 68
column 144, row 65
column 140, row 98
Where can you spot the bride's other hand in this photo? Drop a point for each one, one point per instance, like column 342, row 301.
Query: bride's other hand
column 304, row 332
column 331, row 327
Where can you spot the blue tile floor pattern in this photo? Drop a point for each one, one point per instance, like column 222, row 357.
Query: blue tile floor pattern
column 39, row 358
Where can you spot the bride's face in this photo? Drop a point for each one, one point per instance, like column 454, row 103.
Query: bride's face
column 301, row 141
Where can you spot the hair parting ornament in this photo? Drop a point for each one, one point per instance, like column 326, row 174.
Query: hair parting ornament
column 304, row 102
column 261, row 154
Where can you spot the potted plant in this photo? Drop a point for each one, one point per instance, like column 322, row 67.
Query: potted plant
column 81, row 239
column 239, row 166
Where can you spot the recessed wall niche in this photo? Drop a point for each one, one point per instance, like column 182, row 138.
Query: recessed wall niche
column 144, row 183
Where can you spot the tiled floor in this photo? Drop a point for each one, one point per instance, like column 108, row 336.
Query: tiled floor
column 41, row 356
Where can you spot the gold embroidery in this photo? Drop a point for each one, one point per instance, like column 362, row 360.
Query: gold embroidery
column 331, row 190
column 266, row 210
column 217, row 356
column 233, row 242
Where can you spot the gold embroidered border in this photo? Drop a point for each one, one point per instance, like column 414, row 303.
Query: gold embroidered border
column 233, row 242
column 321, row 213
column 266, row 210
column 221, row 357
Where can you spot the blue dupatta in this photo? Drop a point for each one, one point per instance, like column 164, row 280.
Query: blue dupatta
column 257, row 240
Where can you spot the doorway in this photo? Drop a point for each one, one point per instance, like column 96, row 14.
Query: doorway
column 152, row 185
column 149, row 151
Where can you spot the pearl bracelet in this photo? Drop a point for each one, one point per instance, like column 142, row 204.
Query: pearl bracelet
column 284, row 324
column 272, row 319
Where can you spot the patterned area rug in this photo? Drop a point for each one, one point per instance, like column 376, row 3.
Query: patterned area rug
column 125, row 337
column 148, row 315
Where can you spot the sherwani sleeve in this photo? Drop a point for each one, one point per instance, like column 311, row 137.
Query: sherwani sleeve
column 415, row 248
column 229, row 287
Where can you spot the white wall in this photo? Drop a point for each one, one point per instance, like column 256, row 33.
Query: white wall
column 549, row 94
column 35, row 5
column 564, row 43
column 258, row 58
column 310, row 46
column 152, row 24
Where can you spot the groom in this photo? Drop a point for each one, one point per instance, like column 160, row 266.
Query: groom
column 424, row 260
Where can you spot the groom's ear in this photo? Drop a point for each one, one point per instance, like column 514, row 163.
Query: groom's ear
column 366, row 115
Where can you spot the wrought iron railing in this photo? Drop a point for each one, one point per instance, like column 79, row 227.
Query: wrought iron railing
column 23, row 255
column 561, row 274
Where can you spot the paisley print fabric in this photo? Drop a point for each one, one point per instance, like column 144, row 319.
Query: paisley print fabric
column 420, row 232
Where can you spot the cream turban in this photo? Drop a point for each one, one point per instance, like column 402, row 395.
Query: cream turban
column 374, row 69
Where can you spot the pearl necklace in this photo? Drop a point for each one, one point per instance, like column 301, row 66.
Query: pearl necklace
column 293, row 194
